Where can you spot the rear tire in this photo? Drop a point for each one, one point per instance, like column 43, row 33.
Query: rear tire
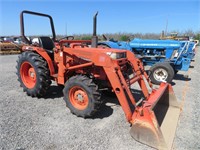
column 161, row 71
column 33, row 74
column 82, row 96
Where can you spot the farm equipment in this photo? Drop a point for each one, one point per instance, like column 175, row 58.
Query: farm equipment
column 174, row 36
column 9, row 46
column 165, row 56
column 85, row 71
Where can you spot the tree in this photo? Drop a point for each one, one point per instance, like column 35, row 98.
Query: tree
column 197, row 37
column 124, row 38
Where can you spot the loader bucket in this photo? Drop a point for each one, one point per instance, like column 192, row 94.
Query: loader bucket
column 155, row 124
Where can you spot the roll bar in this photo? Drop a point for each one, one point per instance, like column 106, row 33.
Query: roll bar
column 37, row 14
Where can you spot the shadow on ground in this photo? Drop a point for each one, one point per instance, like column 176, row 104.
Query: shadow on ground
column 54, row 92
column 191, row 67
column 181, row 77
column 106, row 110
column 110, row 100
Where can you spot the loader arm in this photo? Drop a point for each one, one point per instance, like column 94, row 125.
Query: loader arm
column 154, row 118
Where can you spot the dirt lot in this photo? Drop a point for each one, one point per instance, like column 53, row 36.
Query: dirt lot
column 45, row 123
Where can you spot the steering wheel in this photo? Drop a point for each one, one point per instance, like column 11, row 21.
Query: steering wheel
column 67, row 38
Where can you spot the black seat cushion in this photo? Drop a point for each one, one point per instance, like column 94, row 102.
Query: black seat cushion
column 46, row 43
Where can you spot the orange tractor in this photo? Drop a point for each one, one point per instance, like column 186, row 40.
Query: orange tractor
column 85, row 71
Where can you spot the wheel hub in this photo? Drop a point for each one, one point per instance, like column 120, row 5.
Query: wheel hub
column 28, row 74
column 160, row 74
column 32, row 73
column 78, row 97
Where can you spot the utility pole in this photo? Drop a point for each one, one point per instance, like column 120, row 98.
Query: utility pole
column 66, row 29
column 166, row 26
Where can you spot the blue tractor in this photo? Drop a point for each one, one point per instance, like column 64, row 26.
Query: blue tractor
column 166, row 57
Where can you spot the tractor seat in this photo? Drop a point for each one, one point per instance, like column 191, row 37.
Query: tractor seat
column 47, row 43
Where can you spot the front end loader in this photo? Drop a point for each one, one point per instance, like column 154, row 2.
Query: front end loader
column 86, row 71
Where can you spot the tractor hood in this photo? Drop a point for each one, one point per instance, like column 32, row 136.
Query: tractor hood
column 116, row 44
column 140, row 43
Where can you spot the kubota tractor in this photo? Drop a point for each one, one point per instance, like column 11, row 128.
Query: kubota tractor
column 85, row 71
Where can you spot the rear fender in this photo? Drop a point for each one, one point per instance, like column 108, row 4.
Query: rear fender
column 43, row 54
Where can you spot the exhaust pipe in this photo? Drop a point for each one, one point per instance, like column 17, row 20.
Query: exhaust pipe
column 94, row 36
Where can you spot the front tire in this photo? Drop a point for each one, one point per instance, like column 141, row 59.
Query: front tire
column 33, row 74
column 82, row 96
column 161, row 72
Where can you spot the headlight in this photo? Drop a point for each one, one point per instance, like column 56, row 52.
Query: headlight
column 115, row 55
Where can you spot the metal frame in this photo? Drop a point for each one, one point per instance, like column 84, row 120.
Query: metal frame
column 36, row 14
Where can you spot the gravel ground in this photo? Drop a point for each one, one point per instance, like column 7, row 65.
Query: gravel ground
column 45, row 123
